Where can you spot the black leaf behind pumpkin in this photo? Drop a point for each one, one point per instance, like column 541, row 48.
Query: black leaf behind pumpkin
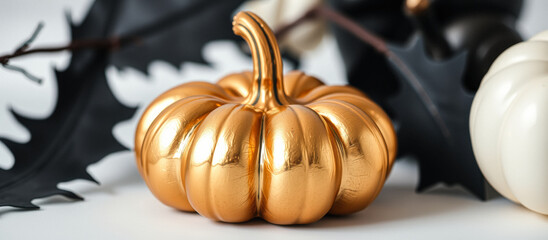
column 483, row 28
column 186, row 26
column 431, row 111
column 366, row 68
column 79, row 131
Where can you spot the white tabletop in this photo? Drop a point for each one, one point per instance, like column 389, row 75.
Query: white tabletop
column 123, row 208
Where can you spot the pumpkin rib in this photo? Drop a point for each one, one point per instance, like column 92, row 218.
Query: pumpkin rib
column 210, row 198
column 258, row 170
column 507, row 190
column 297, row 83
column 169, row 97
column 299, row 216
column 271, row 215
column 237, row 84
column 325, row 90
column 520, row 93
column 335, row 153
column 379, row 117
column 189, row 168
column 343, row 164
column 150, row 173
column 181, row 169
column 336, row 109
column 189, row 165
column 513, row 135
column 213, row 201
column 300, row 167
column 207, row 198
column 161, row 117
column 372, row 126
column 227, row 190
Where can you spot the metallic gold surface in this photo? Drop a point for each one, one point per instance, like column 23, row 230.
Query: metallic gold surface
column 259, row 144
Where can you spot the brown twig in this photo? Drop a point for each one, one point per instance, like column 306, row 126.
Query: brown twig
column 322, row 11
column 111, row 43
column 22, row 48
column 134, row 36
column 31, row 39
column 75, row 45
column 381, row 46
column 378, row 44
column 365, row 35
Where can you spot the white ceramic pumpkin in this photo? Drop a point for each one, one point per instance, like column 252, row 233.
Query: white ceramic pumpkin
column 509, row 124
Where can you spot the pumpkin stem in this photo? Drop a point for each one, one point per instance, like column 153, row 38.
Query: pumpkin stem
column 267, row 89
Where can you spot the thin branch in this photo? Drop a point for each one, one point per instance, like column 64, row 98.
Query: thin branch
column 22, row 48
column 365, row 35
column 382, row 47
column 132, row 36
column 344, row 22
column 75, row 45
column 29, row 41
column 169, row 20
column 111, row 43
column 24, row 72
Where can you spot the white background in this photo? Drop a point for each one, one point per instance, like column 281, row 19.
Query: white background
column 122, row 206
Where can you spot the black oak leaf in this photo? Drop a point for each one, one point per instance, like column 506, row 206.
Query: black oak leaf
column 431, row 111
column 185, row 26
column 366, row 68
column 79, row 131
column 484, row 28
column 483, row 35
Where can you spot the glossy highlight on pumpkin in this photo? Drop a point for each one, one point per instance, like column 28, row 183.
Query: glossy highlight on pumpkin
column 288, row 149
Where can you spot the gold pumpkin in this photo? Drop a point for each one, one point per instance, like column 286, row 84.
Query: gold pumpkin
column 249, row 146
